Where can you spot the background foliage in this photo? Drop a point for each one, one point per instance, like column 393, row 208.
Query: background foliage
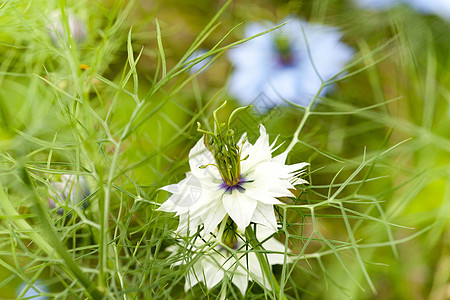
column 378, row 147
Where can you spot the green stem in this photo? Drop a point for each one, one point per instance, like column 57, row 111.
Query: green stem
column 264, row 263
column 105, row 208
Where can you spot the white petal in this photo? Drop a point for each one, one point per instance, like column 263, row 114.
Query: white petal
column 260, row 193
column 195, row 274
column 272, row 245
column 257, row 273
column 281, row 158
column 240, row 208
column 213, row 217
column 184, row 194
column 297, row 167
column 272, row 177
column 300, row 181
column 240, row 281
column 257, row 153
column 213, row 274
column 171, row 188
column 264, row 214
column 200, row 156
column 168, row 206
column 191, row 281
column 276, row 258
column 188, row 225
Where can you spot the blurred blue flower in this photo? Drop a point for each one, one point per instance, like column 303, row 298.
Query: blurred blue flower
column 199, row 65
column 378, row 4
column 277, row 65
column 72, row 189
column 34, row 291
column 437, row 7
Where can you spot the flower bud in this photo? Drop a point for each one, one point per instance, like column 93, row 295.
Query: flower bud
column 229, row 237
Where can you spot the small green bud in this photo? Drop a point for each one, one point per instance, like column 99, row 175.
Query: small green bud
column 229, row 237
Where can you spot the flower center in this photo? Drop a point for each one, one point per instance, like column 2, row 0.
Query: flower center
column 227, row 156
column 284, row 50
column 229, row 188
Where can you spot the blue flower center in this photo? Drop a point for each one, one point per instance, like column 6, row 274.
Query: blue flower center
column 284, row 51
column 238, row 186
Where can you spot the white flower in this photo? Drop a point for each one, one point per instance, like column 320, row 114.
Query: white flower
column 68, row 191
column 206, row 196
column 239, row 266
column 278, row 65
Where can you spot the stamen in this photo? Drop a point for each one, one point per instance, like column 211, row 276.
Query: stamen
column 229, row 188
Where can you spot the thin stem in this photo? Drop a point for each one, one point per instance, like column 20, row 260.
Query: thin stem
column 104, row 237
column 263, row 261
column 295, row 139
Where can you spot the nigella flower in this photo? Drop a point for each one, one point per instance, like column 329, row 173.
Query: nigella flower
column 241, row 180
column 199, row 65
column 287, row 63
column 437, row 7
column 35, row 291
column 71, row 190
column 239, row 265
column 57, row 32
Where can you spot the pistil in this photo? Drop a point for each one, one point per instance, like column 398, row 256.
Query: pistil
column 227, row 153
